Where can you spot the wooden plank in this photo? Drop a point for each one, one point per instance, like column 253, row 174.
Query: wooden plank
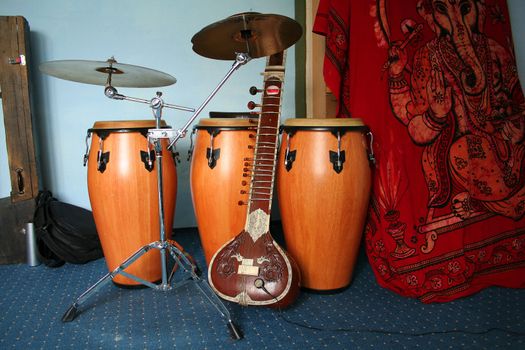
column 16, row 104
column 318, row 104
column 331, row 105
column 17, row 210
column 318, row 85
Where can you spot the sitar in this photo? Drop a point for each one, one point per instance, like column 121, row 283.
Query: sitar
column 252, row 268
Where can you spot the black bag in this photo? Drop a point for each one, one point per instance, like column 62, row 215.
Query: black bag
column 65, row 233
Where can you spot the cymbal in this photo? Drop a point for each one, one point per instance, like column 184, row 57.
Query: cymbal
column 253, row 33
column 97, row 73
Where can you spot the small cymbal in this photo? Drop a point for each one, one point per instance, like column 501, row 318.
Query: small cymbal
column 253, row 33
column 97, row 73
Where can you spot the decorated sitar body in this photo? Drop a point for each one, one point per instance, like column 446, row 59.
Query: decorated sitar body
column 252, row 269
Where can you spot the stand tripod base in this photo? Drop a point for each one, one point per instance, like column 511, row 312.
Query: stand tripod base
column 235, row 333
column 70, row 314
column 182, row 260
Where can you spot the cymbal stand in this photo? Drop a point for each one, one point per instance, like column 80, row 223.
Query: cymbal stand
column 240, row 59
column 155, row 137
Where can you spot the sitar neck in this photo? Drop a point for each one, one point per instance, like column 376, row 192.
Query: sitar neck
column 263, row 164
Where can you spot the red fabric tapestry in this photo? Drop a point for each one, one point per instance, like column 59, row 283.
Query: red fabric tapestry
column 437, row 83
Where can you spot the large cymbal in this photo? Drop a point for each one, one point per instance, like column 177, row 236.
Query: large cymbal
column 253, row 33
column 97, row 73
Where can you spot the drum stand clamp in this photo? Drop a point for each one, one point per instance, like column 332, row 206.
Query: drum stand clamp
column 163, row 245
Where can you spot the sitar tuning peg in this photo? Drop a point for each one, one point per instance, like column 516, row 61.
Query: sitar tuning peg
column 254, row 90
column 252, row 105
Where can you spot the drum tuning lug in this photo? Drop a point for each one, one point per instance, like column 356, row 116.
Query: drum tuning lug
column 86, row 155
column 254, row 90
column 252, row 105
column 176, row 156
column 102, row 161
column 371, row 156
column 372, row 159
column 337, row 159
column 212, row 155
column 289, row 158
column 147, row 158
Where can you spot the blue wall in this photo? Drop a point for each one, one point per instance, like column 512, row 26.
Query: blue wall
column 154, row 34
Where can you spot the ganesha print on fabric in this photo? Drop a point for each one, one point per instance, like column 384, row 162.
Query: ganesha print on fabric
column 461, row 101
column 454, row 86
column 437, row 84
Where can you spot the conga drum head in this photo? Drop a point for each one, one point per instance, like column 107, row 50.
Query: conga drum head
column 325, row 123
column 125, row 125
column 122, row 186
column 104, row 128
column 226, row 123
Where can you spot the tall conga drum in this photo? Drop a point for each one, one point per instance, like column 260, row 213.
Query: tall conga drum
column 122, row 184
column 219, row 180
column 323, row 184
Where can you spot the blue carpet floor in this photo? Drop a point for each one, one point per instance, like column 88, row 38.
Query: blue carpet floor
column 364, row 316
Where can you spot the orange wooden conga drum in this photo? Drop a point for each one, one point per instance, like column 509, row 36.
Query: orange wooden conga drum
column 218, row 179
column 323, row 190
column 123, row 194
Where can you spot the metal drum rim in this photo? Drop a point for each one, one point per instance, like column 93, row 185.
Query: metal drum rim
column 124, row 126
column 324, row 122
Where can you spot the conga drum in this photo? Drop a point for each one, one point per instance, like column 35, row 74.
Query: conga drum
column 122, row 185
column 219, row 179
column 323, row 186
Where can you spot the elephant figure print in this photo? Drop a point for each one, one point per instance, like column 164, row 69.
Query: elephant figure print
column 459, row 97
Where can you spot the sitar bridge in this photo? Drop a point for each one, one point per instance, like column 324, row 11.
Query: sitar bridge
column 246, row 266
